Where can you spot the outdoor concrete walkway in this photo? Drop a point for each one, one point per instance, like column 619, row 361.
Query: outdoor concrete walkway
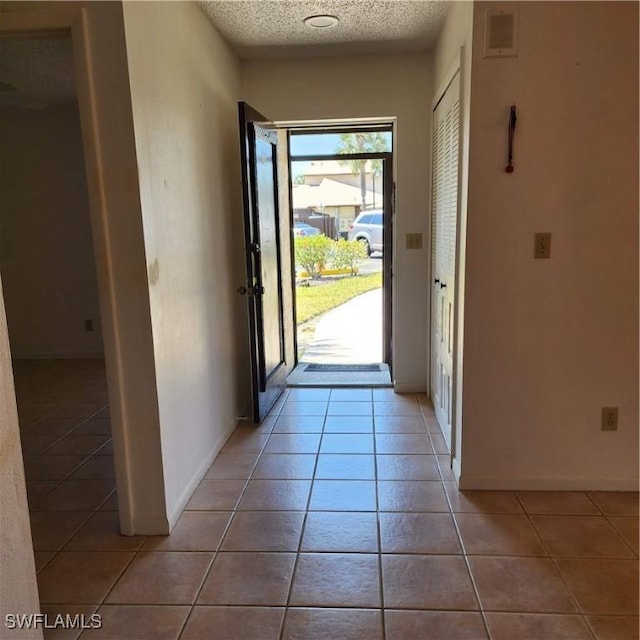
column 350, row 333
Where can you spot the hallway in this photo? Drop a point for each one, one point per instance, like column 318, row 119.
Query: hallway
column 337, row 518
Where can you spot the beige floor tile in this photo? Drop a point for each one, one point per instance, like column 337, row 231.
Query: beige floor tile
column 111, row 503
column 336, row 580
column 277, row 495
column 194, row 531
column 232, row 466
column 580, row 537
column 409, row 443
column 293, row 443
column 245, row 440
column 602, row 586
column 411, row 496
column 347, row 443
column 526, row 626
column 616, row 503
column 264, row 531
column 348, row 424
column 351, row 408
column 249, row 579
column 38, row 489
column 285, row 466
column 444, row 464
column 130, row 622
column 557, row 502
column 51, row 467
column 216, row 495
column 321, row 624
column 102, row 533
column 81, row 576
column 304, row 408
column 383, row 408
column 427, row 582
column 615, row 627
column 50, row 529
column 338, row 532
column 343, row 495
column 423, row 533
column 351, row 395
column 78, row 445
column 98, row 467
column 627, row 527
column 234, row 623
column 520, row 584
column 95, row 426
column 439, row 444
column 498, row 534
column 36, row 442
column 345, row 467
column 389, row 395
column 481, row 501
column 308, row 395
column 167, row 577
column 407, row 467
column 299, row 424
column 440, row 625
column 52, row 611
column 77, row 495
column 53, row 426
column 42, row 557
column 399, row 424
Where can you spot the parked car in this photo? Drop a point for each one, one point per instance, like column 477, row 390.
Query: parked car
column 304, row 229
column 367, row 228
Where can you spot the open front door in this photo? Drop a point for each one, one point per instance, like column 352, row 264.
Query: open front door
column 264, row 251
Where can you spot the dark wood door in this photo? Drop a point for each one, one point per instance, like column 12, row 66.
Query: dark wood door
column 259, row 141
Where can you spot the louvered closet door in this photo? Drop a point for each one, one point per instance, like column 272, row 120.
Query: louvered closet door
column 444, row 215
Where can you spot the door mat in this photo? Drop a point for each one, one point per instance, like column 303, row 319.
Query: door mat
column 342, row 368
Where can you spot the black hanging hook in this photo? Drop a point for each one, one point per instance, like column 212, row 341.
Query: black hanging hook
column 512, row 128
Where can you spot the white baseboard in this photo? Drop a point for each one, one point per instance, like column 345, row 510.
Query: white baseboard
column 199, row 473
column 487, row 483
column 409, row 387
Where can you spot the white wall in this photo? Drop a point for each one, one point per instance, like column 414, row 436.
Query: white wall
column 454, row 49
column 184, row 87
column 18, row 587
column 373, row 86
column 46, row 249
column 550, row 342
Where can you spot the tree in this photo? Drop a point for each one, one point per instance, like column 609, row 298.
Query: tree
column 298, row 178
column 365, row 142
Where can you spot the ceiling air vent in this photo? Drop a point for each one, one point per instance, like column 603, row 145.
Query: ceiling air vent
column 501, row 33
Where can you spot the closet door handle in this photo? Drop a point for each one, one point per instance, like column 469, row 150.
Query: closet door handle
column 443, row 285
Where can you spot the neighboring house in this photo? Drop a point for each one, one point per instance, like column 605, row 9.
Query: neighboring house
column 331, row 197
column 546, row 343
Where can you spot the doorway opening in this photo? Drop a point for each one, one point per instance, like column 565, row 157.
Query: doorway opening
column 341, row 217
column 50, row 287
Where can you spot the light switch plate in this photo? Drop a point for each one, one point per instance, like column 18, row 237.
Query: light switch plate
column 414, row 241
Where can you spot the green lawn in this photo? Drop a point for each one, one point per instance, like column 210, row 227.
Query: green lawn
column 315, row 300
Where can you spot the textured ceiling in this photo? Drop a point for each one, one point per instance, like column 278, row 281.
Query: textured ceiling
column 40, row 69
column 274, row 28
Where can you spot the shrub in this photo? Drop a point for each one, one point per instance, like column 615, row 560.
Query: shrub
column 312, row 253
column 346, row 254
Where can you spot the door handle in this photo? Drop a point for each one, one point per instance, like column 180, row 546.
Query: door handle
column 443, row 285
column 436, row 280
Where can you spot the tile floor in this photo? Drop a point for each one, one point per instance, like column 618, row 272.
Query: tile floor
column 336, row 519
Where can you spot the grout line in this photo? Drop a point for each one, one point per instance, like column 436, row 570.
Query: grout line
column 557, row 569
column 378, row 531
